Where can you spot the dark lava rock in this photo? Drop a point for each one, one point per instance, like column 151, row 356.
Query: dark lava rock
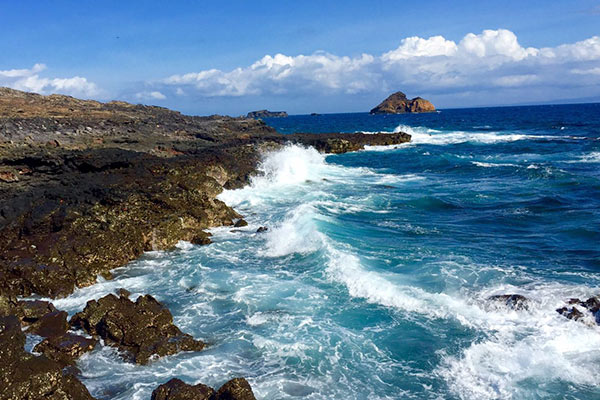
column 65, row 349
column 142, row 329
column 176, row 389
column 123, row 293
column 591, row 305
column 240, row 222
column 51, row 324
column 236, row 389
column 262, row 229
column 25, row 376
column 266, row 114
column 512, row 301
column 398, row 103
column 571, row 313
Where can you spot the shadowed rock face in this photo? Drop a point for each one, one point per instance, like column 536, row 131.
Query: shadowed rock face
column 25, row 376
column 141, row 329
column 176, row 389
column 398, row 103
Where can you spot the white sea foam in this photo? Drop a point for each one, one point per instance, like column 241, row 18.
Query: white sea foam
column 593, row 157
column 492, row 165
column 422, row 135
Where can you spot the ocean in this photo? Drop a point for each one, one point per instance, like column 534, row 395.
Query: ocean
column 373, row 279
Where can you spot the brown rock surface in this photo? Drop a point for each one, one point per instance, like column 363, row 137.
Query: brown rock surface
column 141, row 329
column 398, row 103
column 176, row 389
column 25, row 376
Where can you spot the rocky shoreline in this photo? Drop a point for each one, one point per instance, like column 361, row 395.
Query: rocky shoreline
column 86, row 187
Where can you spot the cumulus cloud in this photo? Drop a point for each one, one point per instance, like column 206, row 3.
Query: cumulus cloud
column 484, row 61
column 153, row 95
column 30, row 80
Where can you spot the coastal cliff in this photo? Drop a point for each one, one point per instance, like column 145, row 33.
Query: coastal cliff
column 398, row 103
column 86, row 187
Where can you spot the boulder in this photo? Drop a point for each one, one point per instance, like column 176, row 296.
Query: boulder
column 66, row 348
column 590, row 306
column 51, row 324
column 512, row 301
column 141, row 329
column 25, row 376
column 176, row 389
column 398, row 103
column 240, row 223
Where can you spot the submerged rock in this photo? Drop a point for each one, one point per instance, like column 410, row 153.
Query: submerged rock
column 512, row 301
column 142, row 329
column 398, row 103
column 590, row 306
column 25, row 376
column 176, row 389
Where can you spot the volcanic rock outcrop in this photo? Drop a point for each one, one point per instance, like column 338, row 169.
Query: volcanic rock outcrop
column 141, row 329
column 398, row 103
column 176, row 389
column 267, row 114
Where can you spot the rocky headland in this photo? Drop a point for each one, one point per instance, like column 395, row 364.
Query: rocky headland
column 267, row 114
column 398, row 103
column 86, row 187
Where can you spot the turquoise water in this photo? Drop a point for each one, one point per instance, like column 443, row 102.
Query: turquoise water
column 372, row 280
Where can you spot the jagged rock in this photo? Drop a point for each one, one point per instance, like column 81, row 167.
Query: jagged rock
column 141, row 329
column 121, row 292
column 176, row 389
column 240, row 223
column 512, row 301
column 591, row 305
column 266, row 114
column 51, row 324
column 25, row 376
column 235, row 389
column 398, row 103
column 65, row 349
column 262, row 229
column 571, row 313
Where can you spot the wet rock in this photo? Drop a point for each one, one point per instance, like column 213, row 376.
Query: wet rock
column 33, row 310
column 176, row 389
column 571, row 313
column 240, row 223
column 123, row 293
column 202, row 238
column 262, row 229
column 236, row 389
column 51, row 324
column 65, row 349
column 591, row 305
column 25, row 376
column 512, row 301
column 142, row 329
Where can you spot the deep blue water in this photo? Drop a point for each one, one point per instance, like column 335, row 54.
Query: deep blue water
column 373, row 279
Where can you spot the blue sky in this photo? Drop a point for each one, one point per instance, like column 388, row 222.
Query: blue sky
column 205, row 58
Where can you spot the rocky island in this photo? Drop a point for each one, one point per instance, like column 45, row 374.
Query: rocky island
column 267, row 114
column 86, row 187
column 398, row 103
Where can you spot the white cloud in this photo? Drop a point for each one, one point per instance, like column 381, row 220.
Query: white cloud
column 153, row 95
column 490, row 59
column 418, row 47
column 29, row 80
